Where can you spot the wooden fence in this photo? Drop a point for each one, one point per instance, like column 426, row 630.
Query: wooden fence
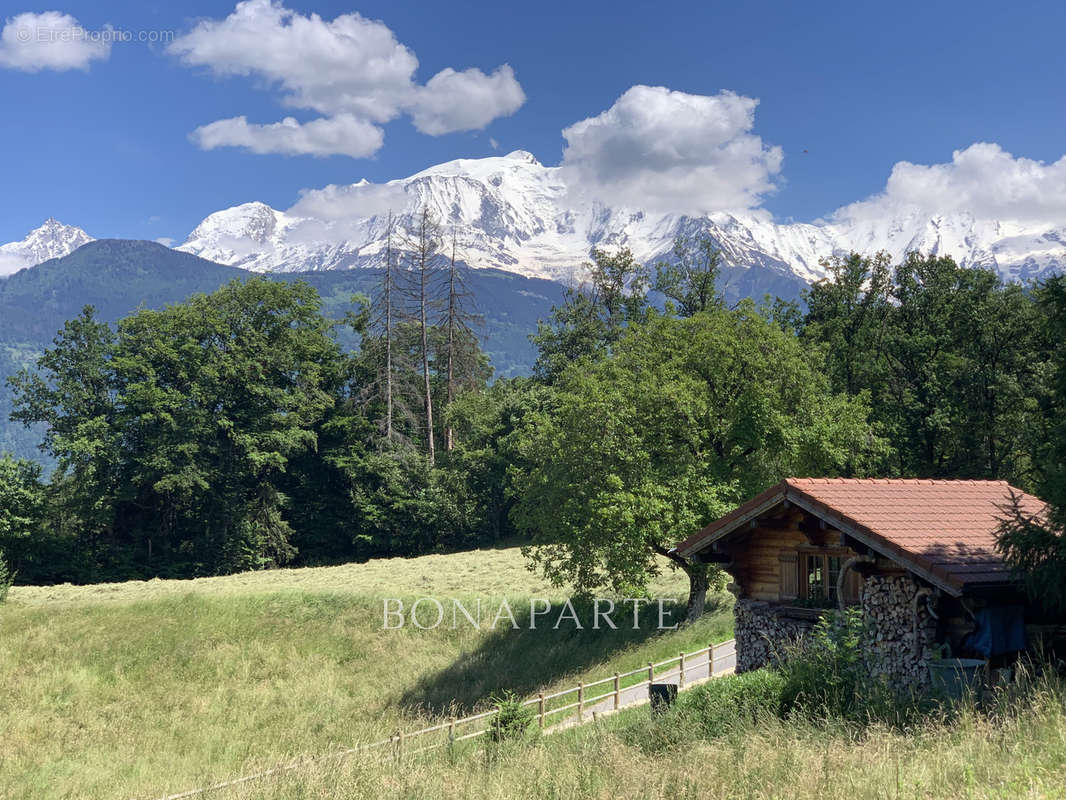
column 554, row 711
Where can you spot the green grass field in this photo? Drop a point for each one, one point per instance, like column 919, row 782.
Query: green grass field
column 974, row 757
column 141, row 688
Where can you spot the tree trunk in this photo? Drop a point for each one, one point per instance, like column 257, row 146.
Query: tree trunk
column 698, row 580
column 452, row 310
column 425, row 368
column 698, row 583
column 388, row 334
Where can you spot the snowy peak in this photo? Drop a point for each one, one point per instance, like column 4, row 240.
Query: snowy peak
column 511, row 212
column 53, row 239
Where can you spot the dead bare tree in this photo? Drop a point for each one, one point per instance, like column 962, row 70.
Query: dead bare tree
column 422, row 243
column 388, row 300
column 459, row 319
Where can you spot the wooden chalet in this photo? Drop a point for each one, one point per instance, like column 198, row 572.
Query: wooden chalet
column 919, row 557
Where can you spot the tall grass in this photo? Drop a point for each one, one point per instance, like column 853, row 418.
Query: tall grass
column 130, row 690
column 1016, row 751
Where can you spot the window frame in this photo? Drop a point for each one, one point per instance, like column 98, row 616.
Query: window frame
column 804, row 554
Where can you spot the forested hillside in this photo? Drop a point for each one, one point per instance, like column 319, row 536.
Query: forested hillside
column 116, row 277
column 234, row 431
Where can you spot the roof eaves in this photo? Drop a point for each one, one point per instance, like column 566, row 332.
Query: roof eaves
column 875, row 541
column 744, row 514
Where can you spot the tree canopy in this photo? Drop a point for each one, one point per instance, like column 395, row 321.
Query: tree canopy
column 685, row 420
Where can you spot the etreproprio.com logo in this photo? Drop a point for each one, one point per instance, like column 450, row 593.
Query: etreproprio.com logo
column 108, row 35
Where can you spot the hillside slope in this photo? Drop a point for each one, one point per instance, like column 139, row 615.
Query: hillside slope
column 118, row 276
column 131, row 690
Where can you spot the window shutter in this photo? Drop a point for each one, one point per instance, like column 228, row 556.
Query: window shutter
column 852, row 587
column 789, row 575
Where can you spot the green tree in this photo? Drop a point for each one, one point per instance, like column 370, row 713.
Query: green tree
column 949, row 357
column 689, row 281
column 22, row 509
column 1049, row 448
column 173, row 434
column 489, row 459
column 1034, row 545
column 594, row 315
column 73, row 394
column 686, row 418
column 847, row 312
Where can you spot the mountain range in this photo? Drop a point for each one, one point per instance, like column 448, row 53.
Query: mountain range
column 512, row 213
column 119, row 276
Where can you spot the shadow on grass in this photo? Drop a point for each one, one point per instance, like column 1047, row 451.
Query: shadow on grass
column 523, row 660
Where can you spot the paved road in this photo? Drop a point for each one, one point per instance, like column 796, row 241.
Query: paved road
column 725, row 661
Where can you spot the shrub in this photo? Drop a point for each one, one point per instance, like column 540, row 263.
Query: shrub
column 827, row 675
column 824, row 673
column 724, row 706
column 513, row 720
column 734, row 701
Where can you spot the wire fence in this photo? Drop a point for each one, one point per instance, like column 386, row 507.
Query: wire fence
column 553, row 711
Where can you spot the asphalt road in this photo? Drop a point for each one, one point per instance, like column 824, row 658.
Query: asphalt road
column 696, row 671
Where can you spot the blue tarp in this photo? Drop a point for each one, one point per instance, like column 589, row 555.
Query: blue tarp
column 999, row 630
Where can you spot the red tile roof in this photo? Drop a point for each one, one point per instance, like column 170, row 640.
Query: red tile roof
column 941, row 529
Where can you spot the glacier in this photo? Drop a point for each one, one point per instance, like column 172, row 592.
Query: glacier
column 513, row 213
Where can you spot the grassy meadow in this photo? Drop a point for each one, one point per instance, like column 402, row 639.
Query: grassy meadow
column 138, row 689
column 141, row 688
column 974, row 756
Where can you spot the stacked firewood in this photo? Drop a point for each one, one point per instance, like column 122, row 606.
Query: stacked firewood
column 761, row 635
column 897, row 647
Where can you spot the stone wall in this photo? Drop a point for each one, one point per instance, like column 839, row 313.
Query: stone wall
column 761, row 634
column 896, row 647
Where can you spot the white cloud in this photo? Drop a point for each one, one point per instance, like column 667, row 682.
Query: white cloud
column 349, row 66
column 10, row 263
column 464, row 101
column 343, row 134
column 983, row 180
column 662, row 150
column 337, row 203
column 50, row 40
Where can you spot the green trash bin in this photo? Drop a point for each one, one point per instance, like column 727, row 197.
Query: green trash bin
column 954, row 677
column 662, row 696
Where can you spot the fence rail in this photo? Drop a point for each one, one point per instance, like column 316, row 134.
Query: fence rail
column 692, row 668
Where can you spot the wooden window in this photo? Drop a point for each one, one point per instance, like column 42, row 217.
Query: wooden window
column 819, row 572
column 814, row 577
column 832, row 566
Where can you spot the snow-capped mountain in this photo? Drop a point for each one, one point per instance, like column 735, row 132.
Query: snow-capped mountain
column 52, row 240
column 515, row 214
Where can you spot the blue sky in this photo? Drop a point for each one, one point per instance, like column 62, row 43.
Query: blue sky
column 846, row 91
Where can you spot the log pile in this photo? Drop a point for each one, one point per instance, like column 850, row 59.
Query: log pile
column 761, row 634
column 888, row 606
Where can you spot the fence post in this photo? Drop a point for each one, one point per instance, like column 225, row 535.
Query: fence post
column 681, row 673
column 651, row 673
column 399, row 743
column 617, row 692
column 580, row 700
column 710, row 661
column 451, row 733
column 541, row 709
